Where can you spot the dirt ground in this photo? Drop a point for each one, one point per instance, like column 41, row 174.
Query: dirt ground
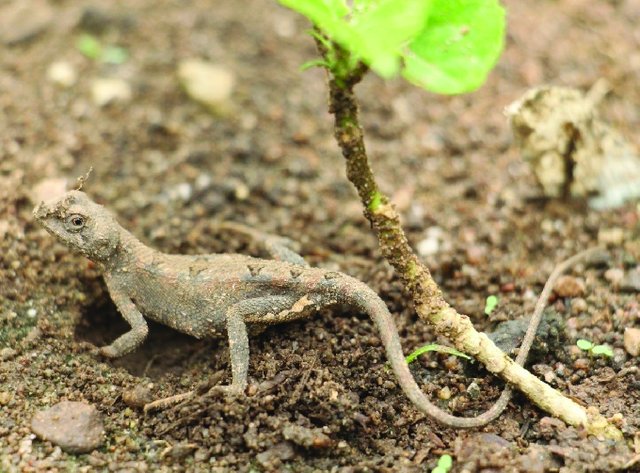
column 320, row 396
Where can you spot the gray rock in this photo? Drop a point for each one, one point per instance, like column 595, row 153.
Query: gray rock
column 631, row 281
column 76, row 427
column 21, row 20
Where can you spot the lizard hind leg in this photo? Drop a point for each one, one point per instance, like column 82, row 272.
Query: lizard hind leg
column 265, row 310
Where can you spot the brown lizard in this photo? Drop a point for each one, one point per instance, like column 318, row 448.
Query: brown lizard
column 205, row 296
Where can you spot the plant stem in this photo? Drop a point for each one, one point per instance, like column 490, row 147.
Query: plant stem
column 429, row 301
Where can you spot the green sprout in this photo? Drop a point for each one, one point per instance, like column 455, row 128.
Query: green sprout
column 90, row 47
column 445, row 462
column 490, row 304
column 445, row 46
column 594, row 350
column 434, row 347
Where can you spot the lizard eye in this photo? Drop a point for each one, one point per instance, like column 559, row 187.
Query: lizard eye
column 75, row 222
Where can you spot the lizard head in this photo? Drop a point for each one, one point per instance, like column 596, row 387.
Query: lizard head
column 81, row 224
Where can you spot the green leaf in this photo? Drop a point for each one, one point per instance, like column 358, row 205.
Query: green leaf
column 439, row 469
column 114, row 55
column 604, row 350
column 374, row 31
column 89, row 46
column 325, row 14
column 585, row 345
column 490, row 304
column 434, row 347
column 446, row 462
column 381, row 31
column 459, row 45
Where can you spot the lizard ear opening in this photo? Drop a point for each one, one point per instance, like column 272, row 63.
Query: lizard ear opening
column 104, row 248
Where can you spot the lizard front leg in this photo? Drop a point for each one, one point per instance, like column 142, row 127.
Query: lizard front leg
column 266, row 310
column 133, row 338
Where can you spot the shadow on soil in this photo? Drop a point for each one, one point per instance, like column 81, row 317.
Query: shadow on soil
column 164, row 352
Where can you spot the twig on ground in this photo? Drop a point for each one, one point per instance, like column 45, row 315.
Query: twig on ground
column 427, row 296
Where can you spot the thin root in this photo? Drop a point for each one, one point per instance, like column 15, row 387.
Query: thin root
column 161, row 404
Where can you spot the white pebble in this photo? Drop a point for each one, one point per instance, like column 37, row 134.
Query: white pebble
column 62, row 74
column 206, row 83
column 109, row 90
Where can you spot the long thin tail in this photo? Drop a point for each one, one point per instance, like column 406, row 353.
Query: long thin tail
column 368, row 301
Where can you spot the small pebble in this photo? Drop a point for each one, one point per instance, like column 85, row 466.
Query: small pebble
column 632, row 340
column 611, row 236
column 431, row 244
column 21, row 20
column 206, row 83
column 138, row 396
column 578, row 306
column 48, row 189
column 476, row 254
column 614, row 276
column 445, row 393
column 5, row 398
column 271, row 459
column 631, row 282
column 62, row 74
column 568, row 286
column 307, row 437
column 76, row 427
column 7, row 353
column 105, row 91
column 473, row 390
column 581, row 364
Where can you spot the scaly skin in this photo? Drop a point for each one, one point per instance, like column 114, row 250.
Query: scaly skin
column 206, row 296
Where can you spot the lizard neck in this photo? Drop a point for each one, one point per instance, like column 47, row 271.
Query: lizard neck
column 130, row 251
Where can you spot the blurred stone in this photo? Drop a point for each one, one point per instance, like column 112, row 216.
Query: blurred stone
column 631, row 282
column 21, row 20
column 48, row 189
column 614, row 276
column 431, row 244
column 632, row 341
column 105, row 91
column 62, row 74
column 208, row 84
column 568, row 286
column 611, row 236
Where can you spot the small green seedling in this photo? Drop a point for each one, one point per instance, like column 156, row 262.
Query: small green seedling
column 594, row 350
column 437, row 348
column 445, row 46
column 490, row 304
column 445, row 462
column 90, row 46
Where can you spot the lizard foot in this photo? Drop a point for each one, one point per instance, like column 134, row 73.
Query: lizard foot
column 108, row 352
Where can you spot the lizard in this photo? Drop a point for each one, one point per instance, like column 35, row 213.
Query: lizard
column 207, row 295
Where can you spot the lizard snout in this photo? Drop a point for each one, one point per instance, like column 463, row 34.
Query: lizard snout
column 41, row 211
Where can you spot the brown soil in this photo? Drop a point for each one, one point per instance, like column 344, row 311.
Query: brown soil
column 321, row 398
